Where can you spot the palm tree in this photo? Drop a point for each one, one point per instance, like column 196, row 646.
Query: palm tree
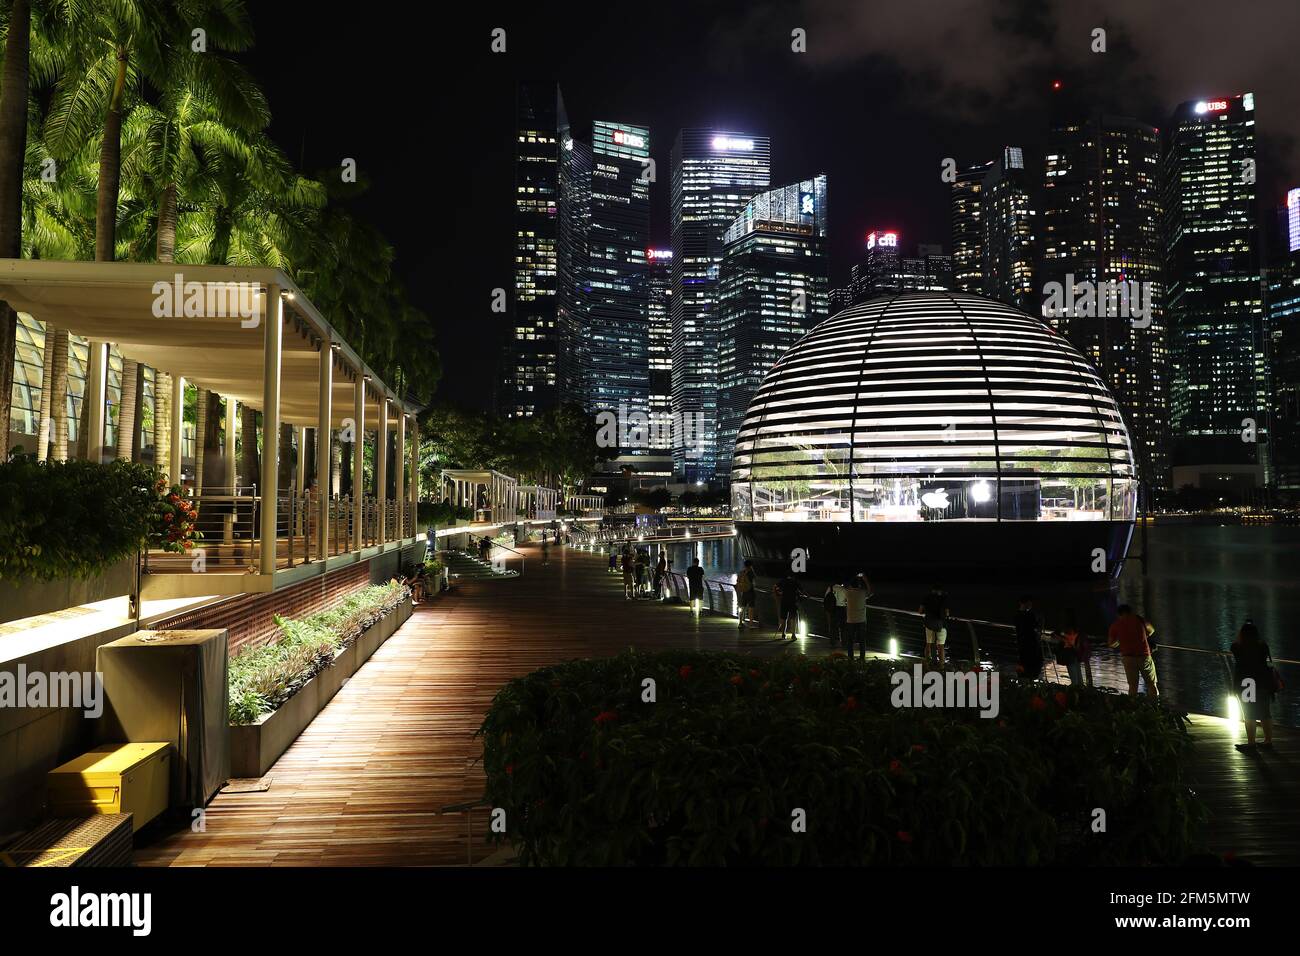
column 13, row 147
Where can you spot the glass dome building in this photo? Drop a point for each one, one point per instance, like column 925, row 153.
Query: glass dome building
column 934, row 432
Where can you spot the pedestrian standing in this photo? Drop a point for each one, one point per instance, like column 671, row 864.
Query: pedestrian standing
column 934, row 618
column 787, row 597
column 1029, row 640
column 746, row 591
column 855, row 615
column 1256, row 680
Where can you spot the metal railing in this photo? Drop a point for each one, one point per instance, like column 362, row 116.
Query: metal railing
column 229, row 522
column 1199, row 680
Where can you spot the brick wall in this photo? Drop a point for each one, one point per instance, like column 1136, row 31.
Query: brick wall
column 249, row 618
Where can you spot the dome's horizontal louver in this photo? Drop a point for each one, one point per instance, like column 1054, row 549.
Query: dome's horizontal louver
column 933, row 406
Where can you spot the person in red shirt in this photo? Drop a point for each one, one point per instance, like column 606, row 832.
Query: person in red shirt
column 1129, row 633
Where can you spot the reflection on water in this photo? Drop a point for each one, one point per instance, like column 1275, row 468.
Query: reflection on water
column 1197, row 586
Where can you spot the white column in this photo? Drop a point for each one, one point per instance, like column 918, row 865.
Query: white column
column 358, row 456
column 178, row 429
column 381, row 466
column 96, row 395
column 324, row 449
column 232, row 429
column 272, row 336
column 415, row 467
column 399, row 460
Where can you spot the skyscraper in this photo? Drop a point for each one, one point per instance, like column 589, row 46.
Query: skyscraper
column 714, row 174
column 575, row 166
column 967, row 206
column 1283, row 324
column 617, row 369
column 772, row 289
column 1101, row 223
column 1215, row 309
column 659, row 265
column 526, row 382
column 1007, row 260
column 885, row 269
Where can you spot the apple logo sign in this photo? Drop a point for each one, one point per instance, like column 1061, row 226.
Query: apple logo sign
column 935, row 499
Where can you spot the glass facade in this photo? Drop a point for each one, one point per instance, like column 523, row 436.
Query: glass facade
column 933, row 407
column 617, row 365
column 659, row 266
column 772, row 290
column 528, row 378
column 1009, row 250
column 967, row 206
column 1100, row 223
column 1212, row 268
column 714, row 174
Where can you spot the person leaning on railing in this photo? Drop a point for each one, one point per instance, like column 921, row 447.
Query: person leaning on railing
column 1131, row 633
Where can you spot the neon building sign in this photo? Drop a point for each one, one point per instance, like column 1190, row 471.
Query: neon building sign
column 629, row 139
column 733, row 143
column 658, row 253
column 1211, row 106
column 886, row 240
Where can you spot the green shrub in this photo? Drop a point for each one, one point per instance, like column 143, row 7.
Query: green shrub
column 712, row 771
column 437, row 513
column 261, row 679
column 72, row 519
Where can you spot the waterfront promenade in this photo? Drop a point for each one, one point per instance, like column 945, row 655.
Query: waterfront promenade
column 365, row 783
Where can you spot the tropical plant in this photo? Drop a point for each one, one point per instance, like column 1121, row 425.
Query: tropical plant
column 72, row 519
column 263, row 678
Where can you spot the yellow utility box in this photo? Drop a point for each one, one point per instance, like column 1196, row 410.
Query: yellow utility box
column 113, row 778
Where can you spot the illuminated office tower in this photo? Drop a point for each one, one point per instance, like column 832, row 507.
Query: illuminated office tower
column 1215, row 309
column 574, row 221
column 1282, row 286
column 885, row 270
column 526, row 382
column 967, row 205
column 659, row 266
column 616, row 355
column 714, row 174
column 1100, row 222
column 772, row 289
column 1007, row 259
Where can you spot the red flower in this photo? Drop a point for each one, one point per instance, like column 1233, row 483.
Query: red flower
column 173, row 498
column 1037, row 703
column 850, row 703
column 895, row 767
column 904, row 836
column 168, row 517
column 753, row 673
column 510, row 768
column 606, row 716
column 684, row 672
column 1062, row 700
column 918, row 748
column 1020, row 668
column 737, row 680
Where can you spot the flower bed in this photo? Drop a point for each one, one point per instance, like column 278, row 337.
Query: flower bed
column 261, row 680
column 715, row 770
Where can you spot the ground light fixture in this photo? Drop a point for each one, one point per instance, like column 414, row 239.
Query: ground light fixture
column 893, row 648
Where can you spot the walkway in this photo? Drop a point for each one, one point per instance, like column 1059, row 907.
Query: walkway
column 364, row 784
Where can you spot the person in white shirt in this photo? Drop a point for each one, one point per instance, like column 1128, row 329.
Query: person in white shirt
column 855, row 616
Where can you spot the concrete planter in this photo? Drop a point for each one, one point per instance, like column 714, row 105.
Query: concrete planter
column 255, row 747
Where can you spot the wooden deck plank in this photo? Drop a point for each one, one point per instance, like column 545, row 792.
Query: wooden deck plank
column 364, row 783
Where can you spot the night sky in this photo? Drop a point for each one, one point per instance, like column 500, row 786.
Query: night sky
column 884, row 93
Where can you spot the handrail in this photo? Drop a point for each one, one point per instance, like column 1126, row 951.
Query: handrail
column 1186, row 687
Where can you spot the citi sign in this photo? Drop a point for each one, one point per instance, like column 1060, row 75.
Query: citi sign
column 885, row 239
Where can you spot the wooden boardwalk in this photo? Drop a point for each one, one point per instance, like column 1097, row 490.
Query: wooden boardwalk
column 365, row 782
